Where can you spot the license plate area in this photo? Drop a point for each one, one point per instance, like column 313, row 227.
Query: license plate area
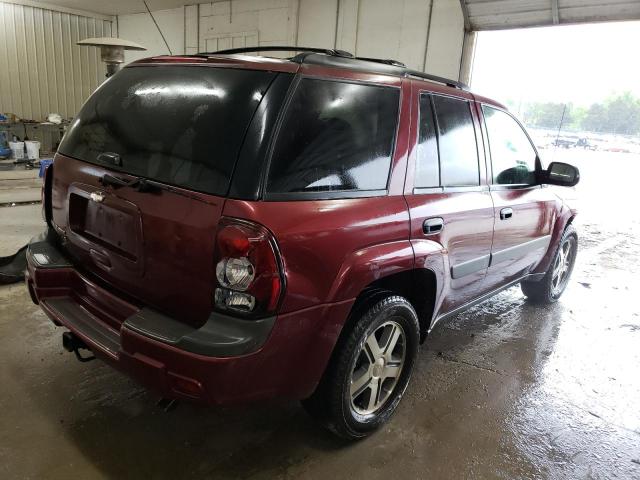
column 105, row 228
column 104, row 225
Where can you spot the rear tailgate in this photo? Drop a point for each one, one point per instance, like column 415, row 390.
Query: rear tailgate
column 156, row 247
column 181, row 127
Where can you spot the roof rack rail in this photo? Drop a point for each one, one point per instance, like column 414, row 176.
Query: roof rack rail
column 281, row 48
column 300, row 58
column 386, row 61
column 434, row 78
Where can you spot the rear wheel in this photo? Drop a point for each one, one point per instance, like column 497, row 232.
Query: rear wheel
column 369, row 371
column 550, row 288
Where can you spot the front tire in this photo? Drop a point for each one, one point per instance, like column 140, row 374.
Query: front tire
column 553, row 284
column 369, row 371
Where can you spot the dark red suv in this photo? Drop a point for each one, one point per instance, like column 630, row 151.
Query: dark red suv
column 228, row 228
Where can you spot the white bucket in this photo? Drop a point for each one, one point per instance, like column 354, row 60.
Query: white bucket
column 17, row 150
column 33, row 149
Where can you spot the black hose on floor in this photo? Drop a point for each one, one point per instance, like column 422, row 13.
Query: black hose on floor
column 12, row 268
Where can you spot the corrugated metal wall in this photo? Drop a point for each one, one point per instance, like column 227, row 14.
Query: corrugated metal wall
column 501, row 14
column 42, row 70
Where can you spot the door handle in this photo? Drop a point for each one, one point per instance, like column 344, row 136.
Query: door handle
column 506, row 213
column 432, row 225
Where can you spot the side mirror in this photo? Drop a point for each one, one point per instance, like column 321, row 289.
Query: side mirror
column 561, row 174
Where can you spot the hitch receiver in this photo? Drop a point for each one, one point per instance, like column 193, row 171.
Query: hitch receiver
column 72, row 343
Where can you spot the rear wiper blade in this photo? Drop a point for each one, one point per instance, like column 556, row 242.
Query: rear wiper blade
column 108, row 179
column 141, row 184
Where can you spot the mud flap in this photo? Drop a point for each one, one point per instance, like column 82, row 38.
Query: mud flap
column 12, row 268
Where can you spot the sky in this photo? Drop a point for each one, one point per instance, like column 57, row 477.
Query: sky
column 582, row 64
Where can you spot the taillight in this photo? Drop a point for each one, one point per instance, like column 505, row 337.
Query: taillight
column 248, row 271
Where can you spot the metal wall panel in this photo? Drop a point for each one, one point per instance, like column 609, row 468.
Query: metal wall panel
column 42, row 70
column 499, row 14
column 576, row 11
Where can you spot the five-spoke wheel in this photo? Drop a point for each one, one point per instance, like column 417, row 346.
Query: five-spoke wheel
column 549, row 289
column 377, row 368
column 370, row 368
column 561, row 267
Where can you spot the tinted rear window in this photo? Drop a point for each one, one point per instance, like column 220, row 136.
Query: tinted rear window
column 457, row 142
column 336, row 136
column 427, row 163
column 178, row 125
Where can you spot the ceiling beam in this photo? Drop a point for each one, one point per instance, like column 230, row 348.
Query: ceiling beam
column 465, row 15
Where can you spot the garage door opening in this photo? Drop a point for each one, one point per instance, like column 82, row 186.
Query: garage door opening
column 587, row 72
column 577, row 90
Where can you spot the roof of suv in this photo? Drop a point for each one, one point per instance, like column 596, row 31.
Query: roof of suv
column 311, row 56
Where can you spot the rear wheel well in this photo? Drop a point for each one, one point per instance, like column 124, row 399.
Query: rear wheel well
column 418, row 286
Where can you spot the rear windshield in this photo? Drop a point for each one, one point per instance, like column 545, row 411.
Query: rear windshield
column 178, row 125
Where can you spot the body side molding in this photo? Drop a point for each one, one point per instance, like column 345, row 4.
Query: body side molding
column 512, row 253
column 518, row 251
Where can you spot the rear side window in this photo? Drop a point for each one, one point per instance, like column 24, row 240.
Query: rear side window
column 336, row 136
column 457, row 140
column 427, row 165
column 178, row 125
column 512, row 156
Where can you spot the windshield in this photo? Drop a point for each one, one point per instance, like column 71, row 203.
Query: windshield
column 174, row 124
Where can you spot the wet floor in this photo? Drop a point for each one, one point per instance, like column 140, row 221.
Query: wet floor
column 505, row 390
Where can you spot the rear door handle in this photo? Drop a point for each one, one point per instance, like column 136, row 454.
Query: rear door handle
column 432, row 225
column 506, row 213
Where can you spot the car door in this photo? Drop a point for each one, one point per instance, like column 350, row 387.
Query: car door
column 449, row 202
column 523, row 209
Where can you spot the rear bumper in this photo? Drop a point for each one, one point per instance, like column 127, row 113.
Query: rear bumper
column 225, row 361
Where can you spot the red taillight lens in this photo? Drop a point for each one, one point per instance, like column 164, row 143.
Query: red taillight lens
column 248, row 271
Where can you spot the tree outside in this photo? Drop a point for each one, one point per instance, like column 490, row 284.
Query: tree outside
column 617, row 114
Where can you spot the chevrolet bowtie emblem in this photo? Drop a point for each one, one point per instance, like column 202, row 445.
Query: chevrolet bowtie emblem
column 97, row 197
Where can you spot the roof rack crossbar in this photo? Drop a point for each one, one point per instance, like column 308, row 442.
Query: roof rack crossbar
column 281, row 48
column 435, row 78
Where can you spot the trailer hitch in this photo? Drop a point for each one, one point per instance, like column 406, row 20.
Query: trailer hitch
column 72, row 343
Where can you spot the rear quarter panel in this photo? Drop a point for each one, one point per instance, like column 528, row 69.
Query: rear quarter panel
column 332, row 249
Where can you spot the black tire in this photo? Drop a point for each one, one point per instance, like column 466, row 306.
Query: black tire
column 544, row 291
column 332, row 404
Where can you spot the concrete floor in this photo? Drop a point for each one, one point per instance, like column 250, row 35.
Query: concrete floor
column 505, row 390
column 18, row 185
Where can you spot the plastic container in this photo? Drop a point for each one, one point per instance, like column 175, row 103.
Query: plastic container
column 4, row 150
column 44, row 163
column 17, row 150
column 33, row 149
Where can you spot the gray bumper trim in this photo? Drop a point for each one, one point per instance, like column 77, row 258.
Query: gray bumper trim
column 221, row 336
column 43, row 252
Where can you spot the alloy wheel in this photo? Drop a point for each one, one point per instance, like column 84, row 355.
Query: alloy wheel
column 377, row 368
column 562, row 267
